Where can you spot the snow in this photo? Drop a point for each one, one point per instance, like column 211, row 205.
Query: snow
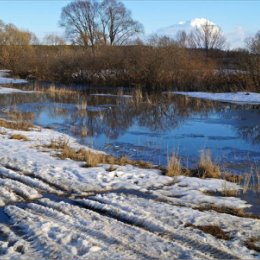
column 69, row 211
column 57, row 209
column 111, row 95
column 234, row 97
column 5, row 80
column 12, row 90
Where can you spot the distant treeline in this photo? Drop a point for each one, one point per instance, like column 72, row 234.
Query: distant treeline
column 152, row 67
column 104, row 48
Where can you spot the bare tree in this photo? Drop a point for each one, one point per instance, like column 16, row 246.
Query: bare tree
column 156, row 40
column 53, row 39
column 117, row 23
column 253, row 43
column 183, row 39
column 207, row 36
column 88, row 22
column 80, row 21
column 11, row 35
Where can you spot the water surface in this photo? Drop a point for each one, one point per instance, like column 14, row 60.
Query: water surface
column 150, row 127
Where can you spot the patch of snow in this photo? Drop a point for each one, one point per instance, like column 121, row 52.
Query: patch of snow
column 73, row 212
column 234, row 97
column 11, row 90
column 111, row 95
column 5, row 80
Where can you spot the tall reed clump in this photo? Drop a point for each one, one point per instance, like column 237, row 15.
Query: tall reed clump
column 25, row 126
column 173, row 166
column 206, row 168
column 252, row 180
column 53, row 91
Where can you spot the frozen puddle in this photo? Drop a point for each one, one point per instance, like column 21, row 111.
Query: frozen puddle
column 56, row 209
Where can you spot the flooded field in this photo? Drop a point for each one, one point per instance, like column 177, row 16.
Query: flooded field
column 147, row 126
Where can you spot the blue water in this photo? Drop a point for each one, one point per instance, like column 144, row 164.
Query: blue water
column 152, row 128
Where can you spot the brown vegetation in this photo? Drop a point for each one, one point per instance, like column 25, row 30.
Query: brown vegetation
column 53, row 91
column 252, row 180
column 25, row 126
column 213, row 230
column 239, row 212
column 253, row 243
column 206, row 168
column 173, row 166
column 20, row 116
column 159, row 67
column 19, row 137
column 91, row 158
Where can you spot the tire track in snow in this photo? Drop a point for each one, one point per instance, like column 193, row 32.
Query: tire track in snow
column 178, row 236
column 25, row 179
column 82, row 214
column 97, row 237
column 47, row 183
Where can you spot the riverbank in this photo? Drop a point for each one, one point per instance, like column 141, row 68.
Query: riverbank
column 61, row 208
column 229, row 97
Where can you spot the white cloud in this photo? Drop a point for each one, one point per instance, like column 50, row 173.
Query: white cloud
column 235, row 38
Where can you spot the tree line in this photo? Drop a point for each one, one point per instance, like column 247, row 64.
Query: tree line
column 102, row 46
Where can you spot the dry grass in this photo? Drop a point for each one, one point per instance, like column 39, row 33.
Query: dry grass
column 53, row 91
column 206, row 168
column 58, row 144
column 92, row 159
column 231, row 211
column 111, row 168
column 173, row 166
column 213, row 230
column 233, row 178
column 252, row 180
column 21, row 116
column 25, row 126
column 84, row 132
column 253, row 243
column 82, row 105
column 138, row 95
column 19, row 137
column 228, row 191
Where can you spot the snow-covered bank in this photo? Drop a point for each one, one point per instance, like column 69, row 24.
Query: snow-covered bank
column 234, row 97
column 72, row 212
column 5, row 80
column 12, row 90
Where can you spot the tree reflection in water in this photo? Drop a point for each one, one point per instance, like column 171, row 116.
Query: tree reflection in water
column 152, row 125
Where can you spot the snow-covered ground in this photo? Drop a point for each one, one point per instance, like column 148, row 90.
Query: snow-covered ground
column 5, row 80
column 232, row 97
column 12, row 90
column 57, row 209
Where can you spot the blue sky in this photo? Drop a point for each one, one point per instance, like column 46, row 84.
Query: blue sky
column 42, row 17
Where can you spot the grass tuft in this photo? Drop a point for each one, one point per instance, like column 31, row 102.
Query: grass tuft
column 206, row 168
column 213, row 230
column 19, row 137
column 173, row 166
column 20, row 116
column 53, row 91
column 253, row 243
column 20, row 125
column 92, row 159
